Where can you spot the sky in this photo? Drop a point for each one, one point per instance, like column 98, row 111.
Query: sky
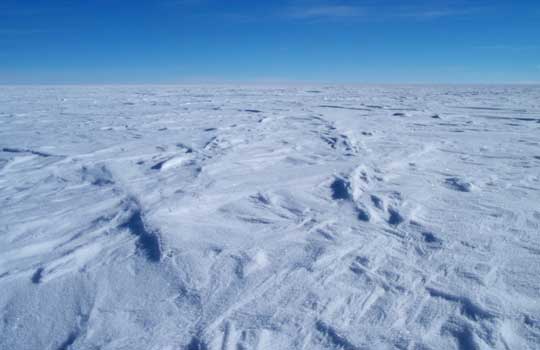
column 213, row 41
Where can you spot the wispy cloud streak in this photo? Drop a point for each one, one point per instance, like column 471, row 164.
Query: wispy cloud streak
column 327, row 11
column 513, row 48
column 306, row 10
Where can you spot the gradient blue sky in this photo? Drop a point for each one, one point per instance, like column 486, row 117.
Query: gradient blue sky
column 176, row 41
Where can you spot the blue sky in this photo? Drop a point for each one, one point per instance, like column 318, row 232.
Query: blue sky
column 177, row 41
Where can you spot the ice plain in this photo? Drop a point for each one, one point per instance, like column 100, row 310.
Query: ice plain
column 270, row 217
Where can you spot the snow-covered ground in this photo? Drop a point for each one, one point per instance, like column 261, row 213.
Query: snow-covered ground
column 251, row 217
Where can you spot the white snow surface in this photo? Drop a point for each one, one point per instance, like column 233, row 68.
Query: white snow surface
column 268, row 217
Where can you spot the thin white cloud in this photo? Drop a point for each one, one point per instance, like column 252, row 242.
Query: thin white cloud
column 505, row 47
column 339, row 10
column 370, row 11
column 434, row 14
column 328, row 11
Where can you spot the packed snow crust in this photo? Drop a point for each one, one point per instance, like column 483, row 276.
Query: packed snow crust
column 253, row 217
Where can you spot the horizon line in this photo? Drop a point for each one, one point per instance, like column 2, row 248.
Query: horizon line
column 263, row 82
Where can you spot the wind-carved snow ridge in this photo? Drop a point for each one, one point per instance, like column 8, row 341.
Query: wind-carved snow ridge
column 253, row 217
column 29, row 151
column 97, row 176
column 341, row 189
column 332, row 336
column 147, row 239
column 458, row 184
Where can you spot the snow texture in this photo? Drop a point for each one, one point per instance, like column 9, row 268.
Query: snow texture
column 268, row 217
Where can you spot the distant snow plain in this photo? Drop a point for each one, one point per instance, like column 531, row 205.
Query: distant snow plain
column 268, row 217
